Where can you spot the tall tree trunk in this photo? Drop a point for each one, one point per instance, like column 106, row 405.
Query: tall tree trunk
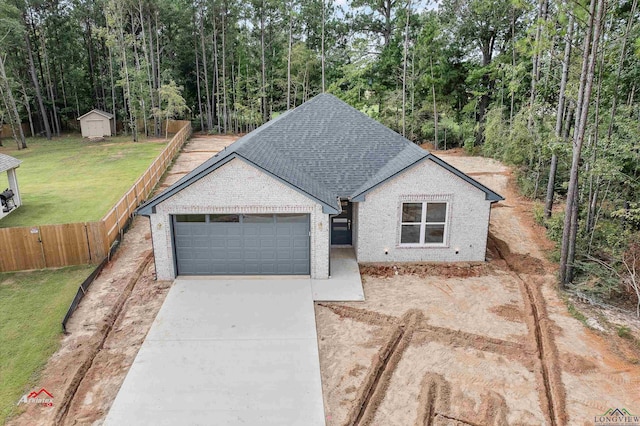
column 154, row 71
column 27, row 106
column 322, row 43
column 289, row 56
column 12, row 109
column 225, row 114
column 205, row 73
column 49, row 88
column 113, row 94
column 147, row 66
column 198, row 85
column 90, row 57
column 535, row 70
column 548, row 205
column 513, row 63
column 404, row 71
column 10, row 118
column 36, row 84
column 569, row 234
column 216, row 74
column 487, row 83
column 623, row 48
column 593, row 188
column 263, row 87
column 435, row 107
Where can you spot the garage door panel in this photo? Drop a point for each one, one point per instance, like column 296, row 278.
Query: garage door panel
column 254, row 244
column 235, row 243
column 284, row 255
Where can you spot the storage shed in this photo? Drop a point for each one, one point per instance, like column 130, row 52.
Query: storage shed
column 96, row 124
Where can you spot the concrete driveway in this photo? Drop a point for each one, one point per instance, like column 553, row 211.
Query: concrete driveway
column 227, row 352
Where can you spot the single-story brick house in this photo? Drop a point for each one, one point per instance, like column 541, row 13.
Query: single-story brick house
column 320, row 175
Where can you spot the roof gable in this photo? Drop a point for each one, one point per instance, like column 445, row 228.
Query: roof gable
column 97, row 111
column 325, row 149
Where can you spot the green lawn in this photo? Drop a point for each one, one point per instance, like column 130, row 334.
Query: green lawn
column 32, row 306
column 69, row 179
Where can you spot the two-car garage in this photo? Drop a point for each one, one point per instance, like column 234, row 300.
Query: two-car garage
column 241, row 244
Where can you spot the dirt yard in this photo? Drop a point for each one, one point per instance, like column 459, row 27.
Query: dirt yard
column 472, row 344
column 465, row 344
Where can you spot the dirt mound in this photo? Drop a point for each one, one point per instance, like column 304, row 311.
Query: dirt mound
column 451, row 270
column 517, row 262
column 509, row 312
column 576, row 364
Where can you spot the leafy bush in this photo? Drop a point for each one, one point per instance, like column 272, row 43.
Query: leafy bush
column 624, row 332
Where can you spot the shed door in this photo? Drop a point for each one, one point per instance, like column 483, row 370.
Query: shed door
column 239, row 244
column 94, row 128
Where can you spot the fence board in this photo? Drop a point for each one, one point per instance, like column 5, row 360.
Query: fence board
column 98, row 242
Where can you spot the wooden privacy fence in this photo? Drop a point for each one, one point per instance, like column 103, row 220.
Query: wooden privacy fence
column 116, row 219
column 51, row 246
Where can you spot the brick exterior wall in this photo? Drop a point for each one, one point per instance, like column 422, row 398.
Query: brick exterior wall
column 378, row 217
column 237, row 187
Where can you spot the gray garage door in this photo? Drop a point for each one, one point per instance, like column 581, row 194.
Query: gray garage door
column 242, row 244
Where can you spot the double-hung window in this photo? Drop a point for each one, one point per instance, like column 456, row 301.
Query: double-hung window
column 424, row 223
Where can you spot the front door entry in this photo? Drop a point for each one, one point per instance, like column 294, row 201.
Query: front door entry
column 341, row 225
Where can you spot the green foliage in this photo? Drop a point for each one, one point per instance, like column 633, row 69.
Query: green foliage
column 172, row 103
column 538, row 213
column 574, row 312
column 625, row 332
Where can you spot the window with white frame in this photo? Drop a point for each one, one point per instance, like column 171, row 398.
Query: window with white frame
column 424, row 223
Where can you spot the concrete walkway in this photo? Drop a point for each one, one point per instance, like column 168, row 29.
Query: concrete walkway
column 227, row 352
column 345, row 284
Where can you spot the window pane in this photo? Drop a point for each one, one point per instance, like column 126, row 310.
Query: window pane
column 291, row 218
column 434, row 234
column 410, row 234
column 436, row 212
column 190, row 218
column 257, row 218
column 224, row 218
column 411, row 212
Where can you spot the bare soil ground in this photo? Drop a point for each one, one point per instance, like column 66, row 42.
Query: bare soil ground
column 110, row 324
column 472, row 344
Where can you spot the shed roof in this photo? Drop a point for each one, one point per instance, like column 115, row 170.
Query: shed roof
column 325, row 149
column 7, row 162
column 98, row 111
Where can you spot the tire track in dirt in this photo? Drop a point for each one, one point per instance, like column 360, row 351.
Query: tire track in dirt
column 434, row 398
column 552, row 393
column 425, row 332
column 103, row 334
column 384, row 364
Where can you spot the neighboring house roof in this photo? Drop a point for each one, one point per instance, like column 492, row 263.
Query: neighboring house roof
column 7, row 162
column 97, row 111
column 325, row 149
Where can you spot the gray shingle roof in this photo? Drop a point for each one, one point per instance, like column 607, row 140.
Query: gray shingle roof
column 323, row 148
column 7, row 162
